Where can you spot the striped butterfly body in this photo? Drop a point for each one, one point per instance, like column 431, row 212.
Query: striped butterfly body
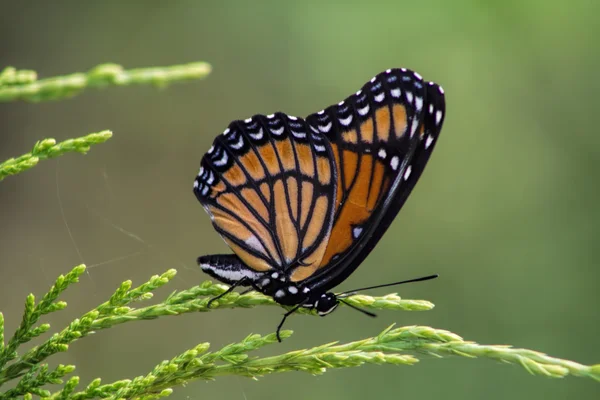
column 302, row 202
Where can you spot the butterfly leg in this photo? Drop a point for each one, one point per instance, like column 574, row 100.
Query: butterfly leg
column 241, row 282
column 287, row 314
column 247, row 291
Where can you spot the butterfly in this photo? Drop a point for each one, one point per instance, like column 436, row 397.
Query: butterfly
column 302, row 202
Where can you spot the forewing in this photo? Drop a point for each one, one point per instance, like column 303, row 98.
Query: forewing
column 381, row 138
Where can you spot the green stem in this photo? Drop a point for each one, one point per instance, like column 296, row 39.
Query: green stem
column 15, row 86
column 48, row 148
column 13, row 76
column 116, row 311
column 389, row 347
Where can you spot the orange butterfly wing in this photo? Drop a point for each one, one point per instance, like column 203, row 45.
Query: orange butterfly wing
column 312, row 198
column 381, row 138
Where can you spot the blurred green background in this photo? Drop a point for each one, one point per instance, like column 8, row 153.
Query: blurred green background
column 506, row 212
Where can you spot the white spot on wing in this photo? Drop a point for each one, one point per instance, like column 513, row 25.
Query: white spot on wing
column 395, row 92
column 382, row 153
column 346, row 121
column 379, row 98
column 271, row 116
column 248, row 120
column 407, row 172
column 253, row 242
column 363, row 111
column 226, row 131
column 195, row 184
column 395, row 162
column 205, row 190
column 413, row 128
column 320, row 148
column 258, row 135
column 293, row 289
column 279, row 293
column 419, row 103
column 438, row 117
column 292, row 117
column 409, row 97
column 222, row 161
column 428, row 141
column 299, row 135
column 356, row 231
column 325, row 128
column 431, row 109
column 278, row 131
column 239, row 144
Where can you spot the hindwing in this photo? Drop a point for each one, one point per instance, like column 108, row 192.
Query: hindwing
column 268, row 184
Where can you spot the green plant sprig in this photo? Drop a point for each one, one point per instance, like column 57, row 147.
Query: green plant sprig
column 48, row 148
column 389, row 347
column 23, row 84
column 118, row 310
column 196, row 300
column 236, row 300
column 38, row 376
column 26, row 330
column 386, row 348
column 87, row 324
column 13, row 76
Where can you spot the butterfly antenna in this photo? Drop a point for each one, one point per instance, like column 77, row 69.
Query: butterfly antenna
column 369, row 313
column 351, row 292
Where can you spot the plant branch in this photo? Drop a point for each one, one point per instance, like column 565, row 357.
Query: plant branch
column 48, row 148
column 386, row 348
column 394, row 346
column 23, row 85
column 13, row 76
column 117, row 310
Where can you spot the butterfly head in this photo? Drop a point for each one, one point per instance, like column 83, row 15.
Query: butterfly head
column 326, row 303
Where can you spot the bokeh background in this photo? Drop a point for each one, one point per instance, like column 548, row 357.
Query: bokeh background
column 506, row 212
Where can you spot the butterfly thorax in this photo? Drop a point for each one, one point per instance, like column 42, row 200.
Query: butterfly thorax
column 285, row 292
